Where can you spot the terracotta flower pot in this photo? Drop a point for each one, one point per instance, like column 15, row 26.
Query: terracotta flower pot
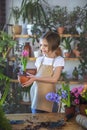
column 23, row 78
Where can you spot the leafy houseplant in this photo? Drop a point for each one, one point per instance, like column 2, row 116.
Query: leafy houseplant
column 62, row 95
column 82, row 47
column 66, row 44
column 15, row 14
column 34, row 14
column 33, row 11
column 6, row 44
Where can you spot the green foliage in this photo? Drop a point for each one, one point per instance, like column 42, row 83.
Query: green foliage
column 66, row 43
column 66, row 88
column 6, row 43
column 33, row 11
column 82, row 47
column 4, row 122
column 15, row 13
column 4, row 81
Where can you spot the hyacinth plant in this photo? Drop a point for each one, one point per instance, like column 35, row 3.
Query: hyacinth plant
column 24, row 59
column 76, row 95
column 62, row 95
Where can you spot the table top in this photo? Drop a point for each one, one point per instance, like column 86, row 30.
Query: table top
column 43, row 117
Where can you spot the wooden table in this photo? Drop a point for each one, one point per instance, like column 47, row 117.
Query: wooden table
column 43, row 117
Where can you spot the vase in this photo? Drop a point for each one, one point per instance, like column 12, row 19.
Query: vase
column 26, row 96
column 70, row 110
column 82, row 109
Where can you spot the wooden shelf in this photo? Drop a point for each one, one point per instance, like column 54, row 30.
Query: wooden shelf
column 70, row 81
column 14, row 58
column 34, row 58
column 24, row 36
column 34, row 36
column 75, row 59
column 72, row 35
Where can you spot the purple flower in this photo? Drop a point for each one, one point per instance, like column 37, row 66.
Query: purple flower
column 54, row 97
column 64, row 94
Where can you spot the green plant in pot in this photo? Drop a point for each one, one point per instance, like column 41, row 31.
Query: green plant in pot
column 82, row 47
column 59, row 17
column 15, row 14
column 66, row 44
column 33, row 13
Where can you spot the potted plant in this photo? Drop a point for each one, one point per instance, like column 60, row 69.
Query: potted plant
column 63, row 95
column 82, row 47
column 33, row 12
column 59, row 18
column 66, row 44
column 15, row 14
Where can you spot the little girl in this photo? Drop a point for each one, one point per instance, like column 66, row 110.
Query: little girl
column 49, row 68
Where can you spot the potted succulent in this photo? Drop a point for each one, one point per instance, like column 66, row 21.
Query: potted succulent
column 15, row 14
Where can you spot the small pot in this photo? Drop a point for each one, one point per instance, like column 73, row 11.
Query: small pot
column 23, row 78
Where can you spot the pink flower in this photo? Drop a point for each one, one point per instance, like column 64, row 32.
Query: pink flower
column 24, row 59
column 25, row 53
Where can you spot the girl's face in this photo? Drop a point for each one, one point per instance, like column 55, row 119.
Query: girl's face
column 45, row 48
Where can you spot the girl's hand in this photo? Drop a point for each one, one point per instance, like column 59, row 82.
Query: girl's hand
column 29, row 82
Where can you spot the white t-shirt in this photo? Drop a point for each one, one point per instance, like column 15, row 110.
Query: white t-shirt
column 58, row 61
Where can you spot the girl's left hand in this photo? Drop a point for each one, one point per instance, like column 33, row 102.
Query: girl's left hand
column 30, row 81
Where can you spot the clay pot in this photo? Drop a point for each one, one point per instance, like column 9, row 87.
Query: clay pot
column 23, row 78
column 16, row 29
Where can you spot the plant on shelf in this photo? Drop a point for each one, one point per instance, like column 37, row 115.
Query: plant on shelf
column 58, row 16
column 33, row 13
column 76, row 19
column 82, row 47
column 15, row 14
column 66, row 44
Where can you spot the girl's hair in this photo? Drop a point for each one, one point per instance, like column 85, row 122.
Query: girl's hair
column 53, row 40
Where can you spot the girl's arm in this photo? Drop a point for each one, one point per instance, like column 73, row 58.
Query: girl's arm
column 47, row 79
column 52, row 79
